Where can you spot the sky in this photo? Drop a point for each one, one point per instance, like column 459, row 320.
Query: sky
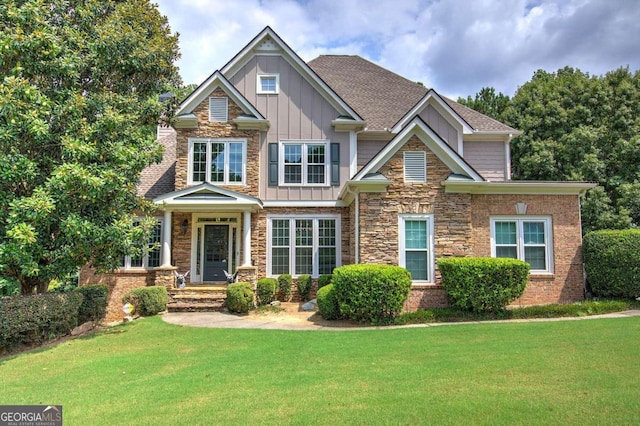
column 456, row 47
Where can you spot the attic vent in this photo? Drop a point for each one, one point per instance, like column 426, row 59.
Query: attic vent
column 415, row 166
column 218, row 109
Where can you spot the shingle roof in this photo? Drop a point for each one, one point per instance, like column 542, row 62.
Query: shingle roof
column 383, row 97
column 159, row 179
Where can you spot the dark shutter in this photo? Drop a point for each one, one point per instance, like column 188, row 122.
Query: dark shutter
column 273, row 164
column 335, row 164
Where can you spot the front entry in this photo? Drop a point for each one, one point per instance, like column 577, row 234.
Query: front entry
column 216, row 253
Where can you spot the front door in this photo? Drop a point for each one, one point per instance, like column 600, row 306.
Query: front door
column 216, row 253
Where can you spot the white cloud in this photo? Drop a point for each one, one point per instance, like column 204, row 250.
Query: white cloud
column 455, row 46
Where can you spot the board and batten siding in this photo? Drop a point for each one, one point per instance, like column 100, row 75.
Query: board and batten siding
column 296, row 112
column 367, row 150
column 441, row 126
column 487, row 158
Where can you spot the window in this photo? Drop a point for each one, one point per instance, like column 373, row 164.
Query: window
column 152, row 258
column 268, row 84
column 218, row 109
column 415, row 166
column 415, row 235
column 305, row 163
column 303, row 245
column 217, row 161
column 524, row 238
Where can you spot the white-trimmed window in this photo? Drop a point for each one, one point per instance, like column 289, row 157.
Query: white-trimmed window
column 304, row 163
column 415, row 166
column 303, row 244
column 268, row 84
column 526, row 238
column 221, row 161
column 153, row 257
column 415, row 242
column 218, row 109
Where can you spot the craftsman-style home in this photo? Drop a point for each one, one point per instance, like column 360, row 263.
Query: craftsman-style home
column 276, row 165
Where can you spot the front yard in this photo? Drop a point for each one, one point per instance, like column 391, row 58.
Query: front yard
column 150, row 372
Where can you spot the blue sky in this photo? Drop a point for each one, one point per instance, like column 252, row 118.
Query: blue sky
column 455, row 46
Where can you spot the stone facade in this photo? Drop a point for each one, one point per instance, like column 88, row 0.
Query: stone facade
column 462, row 228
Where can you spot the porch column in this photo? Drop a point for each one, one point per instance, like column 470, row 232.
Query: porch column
column 166, row 239
column 246, row 239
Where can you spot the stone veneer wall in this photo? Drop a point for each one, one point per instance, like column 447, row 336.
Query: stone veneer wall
column 462, row 228
column 208, row 129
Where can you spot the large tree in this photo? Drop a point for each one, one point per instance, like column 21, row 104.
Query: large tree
column 582, row 127
column 488, row 102
column 78, row 109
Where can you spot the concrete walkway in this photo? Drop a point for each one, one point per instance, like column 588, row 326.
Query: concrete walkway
column 312, row 321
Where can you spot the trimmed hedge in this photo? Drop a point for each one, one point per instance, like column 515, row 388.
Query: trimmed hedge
column 285, row 282
column 304, row 287
column 34, row 319
column 240, row 297
column 324, row 280
column 612, row 262
column 94, row 303
column 328, row 305
column 371, row 293
column 148, row 301
column 266, row 290
column 482, row 284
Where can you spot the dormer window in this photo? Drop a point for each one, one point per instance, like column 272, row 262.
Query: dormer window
column 268, row 84
column 218, row 108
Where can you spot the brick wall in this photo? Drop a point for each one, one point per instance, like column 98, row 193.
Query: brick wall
column 121, row 282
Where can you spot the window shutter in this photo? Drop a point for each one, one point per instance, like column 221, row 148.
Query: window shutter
column 218, row 109
column 273, row 164
column 335, row 164
column 415, row 166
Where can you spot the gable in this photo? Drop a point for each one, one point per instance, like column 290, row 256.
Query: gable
column 269, row 44
column 417, row 128
column 206, row 196
column 218, row 94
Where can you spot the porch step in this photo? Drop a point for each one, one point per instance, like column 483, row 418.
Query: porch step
column 197, row 299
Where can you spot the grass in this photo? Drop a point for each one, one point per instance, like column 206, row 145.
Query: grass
column 150, row 372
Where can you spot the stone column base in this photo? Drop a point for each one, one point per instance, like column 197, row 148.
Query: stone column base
column 248, row 274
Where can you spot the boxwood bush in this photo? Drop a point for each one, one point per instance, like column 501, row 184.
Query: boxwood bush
column 323, row 280
column 34, row 319
column 94, row 303
column 148, row 301
column 304, row 287
column 240, row 297
column 285, row 282
column 612, row 262
column 328, row 306
column 266, row 290
column 371, row 293
column 482, row 284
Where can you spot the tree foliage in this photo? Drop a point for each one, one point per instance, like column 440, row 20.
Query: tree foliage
column 78, row 109
column 578, row 127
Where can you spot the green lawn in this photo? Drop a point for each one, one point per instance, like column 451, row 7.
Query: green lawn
column 149, row 372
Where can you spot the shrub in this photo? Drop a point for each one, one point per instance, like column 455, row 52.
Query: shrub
column 285, row 281
column 482, row 284
column 266, row 290
column 33, row 319
column 612, row 263
column 240, row 297
column 9, row 286
column 371, row 293
column 328, row 305
column 324, row 280
column 304, row 287
column 147, row 301
column 94, row 303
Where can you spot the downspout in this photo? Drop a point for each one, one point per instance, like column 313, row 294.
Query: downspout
column 356, row 226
